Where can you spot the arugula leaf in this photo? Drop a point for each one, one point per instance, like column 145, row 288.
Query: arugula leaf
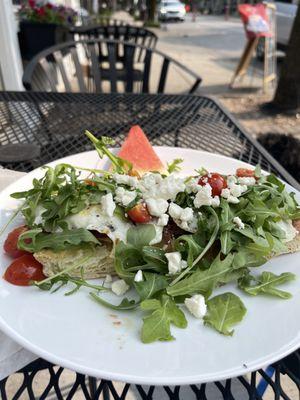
column 141, row 235
column 152, row 284
column 174, row 165
column 121, row 166
column 247, row 258
column 275, row 229
column 276, row 182
column 189, row 246
column 156, row 326
column 257, row 171
column 206, row 248
column 122, row 272
column 258, row 209
column 203, row 281
column 124, row 305
column 201, row 171
column 59, row 193
column 224, row 311
column 35, row 240
column 63, row 280
column 225, row 237
column 155, row 259
column 266, row 284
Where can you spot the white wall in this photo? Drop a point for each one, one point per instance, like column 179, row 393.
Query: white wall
column 10, row 59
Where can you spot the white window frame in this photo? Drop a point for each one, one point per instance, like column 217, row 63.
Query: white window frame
column 10, row 58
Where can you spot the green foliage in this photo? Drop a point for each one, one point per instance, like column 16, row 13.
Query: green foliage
column 124, row 305
column 136, row 254
column 35, row 240
column 58, row 194
column 266, row 283
column 203, row 281
column 224, row 311
column 174, row 166
column 151, row 285
column 121, row 166
column 156, row 326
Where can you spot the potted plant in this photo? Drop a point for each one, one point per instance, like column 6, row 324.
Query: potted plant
column 43, row 25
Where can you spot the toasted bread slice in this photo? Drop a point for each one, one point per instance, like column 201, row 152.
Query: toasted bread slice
column 293, row 246
column 99, row 261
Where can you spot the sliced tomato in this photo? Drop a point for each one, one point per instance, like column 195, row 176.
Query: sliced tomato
column 139, row 214
column 245, row 173
column 11, row 243
column 215, row 180
column 24, row 270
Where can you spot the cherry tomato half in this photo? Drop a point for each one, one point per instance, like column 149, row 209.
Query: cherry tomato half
column 139, row 214
column 245, row 173
column 23, row 270
column 215, row 180
column 11, row 243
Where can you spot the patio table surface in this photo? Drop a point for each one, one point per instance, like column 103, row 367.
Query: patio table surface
column 36, row 128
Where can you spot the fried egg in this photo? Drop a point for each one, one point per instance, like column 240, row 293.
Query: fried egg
column 93, row 218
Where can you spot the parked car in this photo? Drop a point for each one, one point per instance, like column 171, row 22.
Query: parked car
column 171, row 10
column 285, row 14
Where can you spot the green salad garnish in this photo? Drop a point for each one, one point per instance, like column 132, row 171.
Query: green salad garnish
column 174, row 240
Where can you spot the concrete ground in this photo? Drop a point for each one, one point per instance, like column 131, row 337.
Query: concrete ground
column 211, row 47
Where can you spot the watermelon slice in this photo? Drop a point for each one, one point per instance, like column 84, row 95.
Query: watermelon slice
column 138, row 150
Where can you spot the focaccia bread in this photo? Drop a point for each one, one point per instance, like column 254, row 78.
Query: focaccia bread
column 99, row 261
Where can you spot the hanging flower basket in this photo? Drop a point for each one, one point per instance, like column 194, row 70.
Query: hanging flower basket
column 42, row 26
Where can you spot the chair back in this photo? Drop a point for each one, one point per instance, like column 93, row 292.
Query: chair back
column 125, row 33
column 94, row 66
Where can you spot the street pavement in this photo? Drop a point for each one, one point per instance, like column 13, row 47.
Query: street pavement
column 211, row 46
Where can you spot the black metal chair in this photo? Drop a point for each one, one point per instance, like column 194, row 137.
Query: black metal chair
column 126, row 33
column 104, row 21
column 93, row 66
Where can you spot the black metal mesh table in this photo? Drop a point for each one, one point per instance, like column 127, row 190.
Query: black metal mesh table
column 36, row 128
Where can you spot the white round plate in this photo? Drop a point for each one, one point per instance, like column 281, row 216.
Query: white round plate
column 79, row 334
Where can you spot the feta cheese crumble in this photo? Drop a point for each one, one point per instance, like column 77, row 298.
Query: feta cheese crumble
column 119, row 287
column 139, row 276
column 227, row 195
column 236, row 190
column 124, row 197
column 175, row 262
column 196, row 305
column 183, row 217
column 158, row 234
column 238, row 222
column 175, row 211
column 191, row 186
column 108, row 205
column 155, row 186
column 233, row 190
column 204, row 197
column 163, row 220
column 248, row 181
column 157, row 207
column 126, row 180
column 108, row 281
